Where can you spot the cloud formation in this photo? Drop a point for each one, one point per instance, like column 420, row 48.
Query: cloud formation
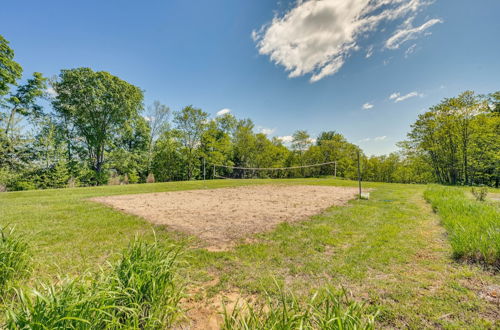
column 316, row 37
column 397, row 97
column 367, row 106
column 223, row 112
column 286, row 138
column 266, row 131
column 376, row 139
column 409, row 33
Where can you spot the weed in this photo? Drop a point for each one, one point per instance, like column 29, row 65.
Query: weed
column 473, row 227
column 14, row 258
column 324, row 310
column 480, row 193
column 138, row 292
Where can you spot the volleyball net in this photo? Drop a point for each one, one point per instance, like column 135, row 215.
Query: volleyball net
column 220, row 171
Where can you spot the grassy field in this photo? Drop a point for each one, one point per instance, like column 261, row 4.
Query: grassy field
column 389, row 252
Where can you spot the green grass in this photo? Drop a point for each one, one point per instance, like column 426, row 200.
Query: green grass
column 389, row 252
column 139, row 292
column 473, row 226
column 14, row 258
column 324, row 310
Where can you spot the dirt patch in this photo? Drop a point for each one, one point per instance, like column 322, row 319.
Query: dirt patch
column 222, row 216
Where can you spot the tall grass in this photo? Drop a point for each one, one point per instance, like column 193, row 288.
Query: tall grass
column 14, row 258
column 140, row 291
column 473, row 227
column 325, row 310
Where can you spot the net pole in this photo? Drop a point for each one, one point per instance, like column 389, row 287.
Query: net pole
column 204, row 170
column 335, row 171
column 214, row 172
column 359, row 177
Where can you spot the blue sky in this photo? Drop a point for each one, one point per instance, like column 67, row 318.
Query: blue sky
column 287, row 65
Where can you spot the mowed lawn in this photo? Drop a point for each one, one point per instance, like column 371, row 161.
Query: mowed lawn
column 390, row 251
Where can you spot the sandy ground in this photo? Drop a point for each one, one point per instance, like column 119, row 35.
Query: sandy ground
column 220, row 217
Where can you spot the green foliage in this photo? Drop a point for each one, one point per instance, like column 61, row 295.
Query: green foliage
column 139, row 292
column 473, row 227
column 459, row 138
column 190, row 123
column 98, row 105
column 324, row 310
column 10, row 71
column 14, row 258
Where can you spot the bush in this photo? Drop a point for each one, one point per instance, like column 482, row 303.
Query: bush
column 114, row 179
column 140, row 291
column 72, row 182
column 150, row 178
column 325, row 310
column 23, row 185
column 14, row 258
column 133, row 177
column 480, row 193
column 473, row 227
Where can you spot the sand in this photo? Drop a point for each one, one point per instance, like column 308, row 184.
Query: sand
column 222, row 217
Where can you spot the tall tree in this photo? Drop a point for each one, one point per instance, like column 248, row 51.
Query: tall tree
column 190, row 123
column 24, row 100
column 157, row 117
column 10, row 70
column 98, row 104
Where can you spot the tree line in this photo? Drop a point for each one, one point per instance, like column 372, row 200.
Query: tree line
column 94, row 129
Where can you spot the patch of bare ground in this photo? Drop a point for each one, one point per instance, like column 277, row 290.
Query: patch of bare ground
column 204, row 312
column 221, row 217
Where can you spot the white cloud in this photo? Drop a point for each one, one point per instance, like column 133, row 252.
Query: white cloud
column 286, row 138
column 223, row 111
column 410, row 50
column 369, row 52
column 376, row 139
column 51, row 92
column 266, row 131
column 394, row 96
column 367, row 106
column 408, row 32
column 397, row 97
column 316, row 37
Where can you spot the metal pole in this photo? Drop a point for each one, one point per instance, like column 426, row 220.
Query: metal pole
column 335, row 173
column 359, row 177
column 204, row 170
column 214, row 171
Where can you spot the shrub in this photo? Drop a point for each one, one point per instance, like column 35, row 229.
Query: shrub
column 72, row 182
column 14, row 258
column 480, row 193
column 125, row 179
column 23, row 185
column 473, row 227
column 150, row 178
column 325, row 310
column 3, row 188
column 114, row 179
column 133, row 177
